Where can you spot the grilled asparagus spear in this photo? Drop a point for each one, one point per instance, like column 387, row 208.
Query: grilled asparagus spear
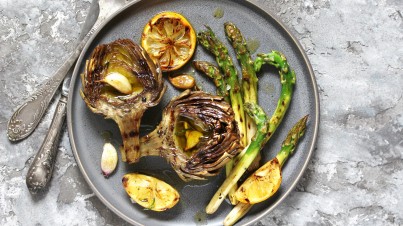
column 249, row 78
column 262, row 179
column 249, row 89
column 287, row 79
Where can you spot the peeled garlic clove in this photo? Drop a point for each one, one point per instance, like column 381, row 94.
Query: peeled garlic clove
column 183, row 81
column 109, row 159
column 119, row 82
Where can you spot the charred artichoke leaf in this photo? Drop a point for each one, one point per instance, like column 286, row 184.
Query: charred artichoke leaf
column 205, row 119
column 120, row 82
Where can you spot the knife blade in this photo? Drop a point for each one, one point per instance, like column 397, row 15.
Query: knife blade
column 27, row 117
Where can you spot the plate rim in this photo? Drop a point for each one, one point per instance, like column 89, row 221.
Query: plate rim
column 315, row 121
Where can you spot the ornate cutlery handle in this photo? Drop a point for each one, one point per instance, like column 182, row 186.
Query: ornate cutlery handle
column 41, row 169
column 25, row 119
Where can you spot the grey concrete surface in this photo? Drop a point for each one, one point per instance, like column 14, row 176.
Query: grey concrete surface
column 356, row 174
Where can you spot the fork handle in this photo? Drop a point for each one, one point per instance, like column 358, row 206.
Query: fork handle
column 41, row 168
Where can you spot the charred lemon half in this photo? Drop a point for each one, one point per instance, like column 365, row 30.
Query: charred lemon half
column 169, row 38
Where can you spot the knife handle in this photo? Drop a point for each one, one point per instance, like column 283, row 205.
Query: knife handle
column 25, row 119
column 41, row 168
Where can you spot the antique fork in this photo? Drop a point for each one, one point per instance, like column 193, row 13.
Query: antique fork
column 26, row 118
column 40, row 171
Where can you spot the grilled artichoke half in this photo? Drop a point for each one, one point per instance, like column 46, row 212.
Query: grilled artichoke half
column 197, row 135
column 120, row 82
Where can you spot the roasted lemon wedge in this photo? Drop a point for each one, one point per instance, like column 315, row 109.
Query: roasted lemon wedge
column 263, row 183
column 150, row 192
column 260, row 185
column 169, row 38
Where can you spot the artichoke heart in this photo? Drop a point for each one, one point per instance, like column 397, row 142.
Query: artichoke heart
column 197, row 135
column 120, row 82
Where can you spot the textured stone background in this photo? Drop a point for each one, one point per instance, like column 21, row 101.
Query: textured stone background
column 356, row 174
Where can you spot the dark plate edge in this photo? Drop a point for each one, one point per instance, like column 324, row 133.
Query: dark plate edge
column 315, row 121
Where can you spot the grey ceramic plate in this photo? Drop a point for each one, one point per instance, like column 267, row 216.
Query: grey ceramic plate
column 253, row 19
